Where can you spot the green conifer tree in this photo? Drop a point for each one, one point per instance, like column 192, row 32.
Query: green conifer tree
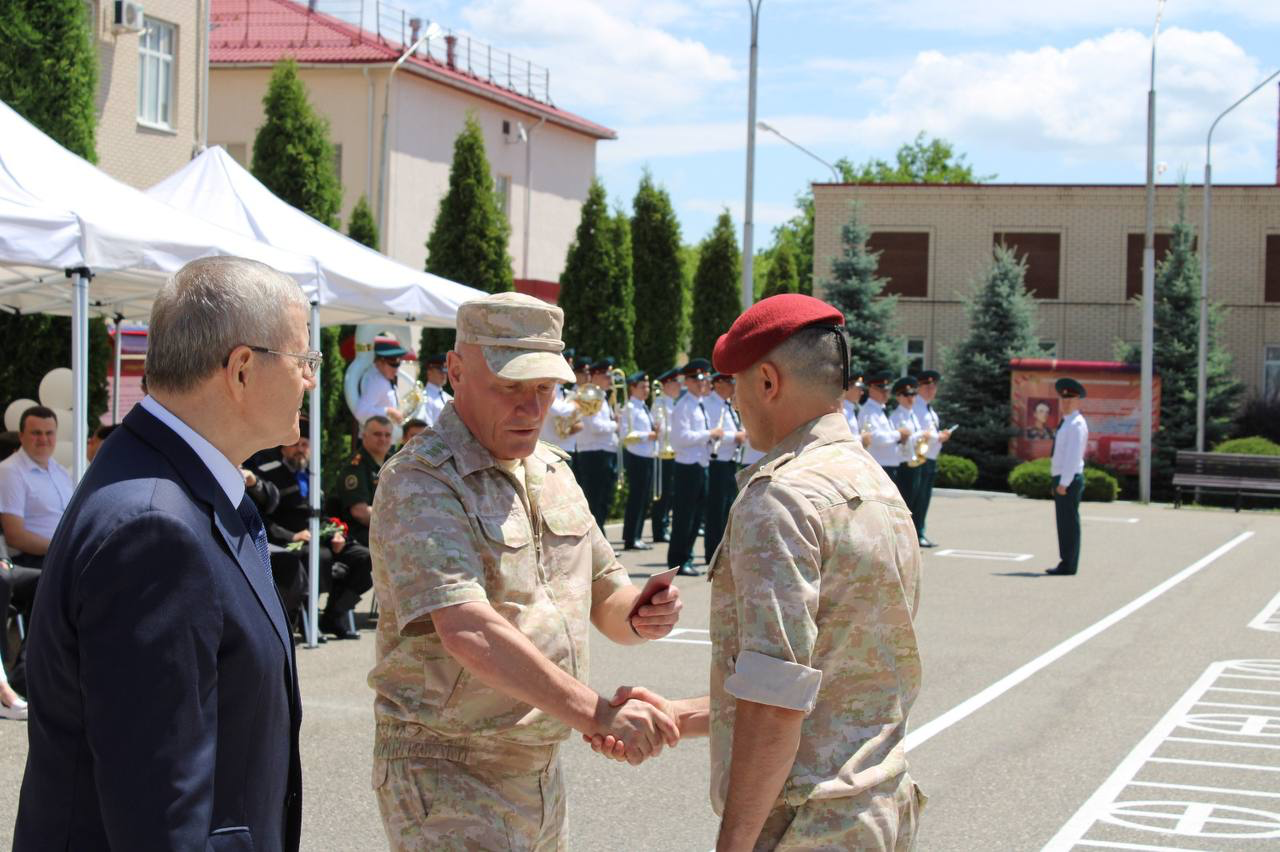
column 856, row 289
column 1002, row 326
column 661, row 291
column 591, row 271
column 781, row 277
column 717, row 301
column 1176, row 355
column 363, row 228
column 617, row 316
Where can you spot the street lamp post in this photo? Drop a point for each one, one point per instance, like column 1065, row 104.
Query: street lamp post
column 748, row 215
column 433, row 30
column 1202, row 368
column 1149, row 281
column 768, row 128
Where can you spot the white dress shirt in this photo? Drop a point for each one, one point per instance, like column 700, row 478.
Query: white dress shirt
column 1069, row 446
column 378, row 395
column 599, row 431
column 561, row 408
column 929, row 422
column 225, row 471
column 884, row 446
column 435, row 397
column 850, row 415
column 636, row 425
column 907, row 417
column 691, row 431
column 38, row 495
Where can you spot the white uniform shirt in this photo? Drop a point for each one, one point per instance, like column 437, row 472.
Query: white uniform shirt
column 750, row 455
column 884, row 446
column 38, row 495
column 599, row 431
column 561, row 407
column 691, row 431
column 435, row 398
column 850, row 415
column 378, row 395
column 1069, row 447
column 907, row 417
column 636, row 425
column 929, row 422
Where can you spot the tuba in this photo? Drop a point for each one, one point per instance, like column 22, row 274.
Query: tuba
column 587, row 400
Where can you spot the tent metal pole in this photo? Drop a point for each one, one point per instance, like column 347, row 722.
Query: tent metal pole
column 115, row 376
column 80, row 370
column 313, row 551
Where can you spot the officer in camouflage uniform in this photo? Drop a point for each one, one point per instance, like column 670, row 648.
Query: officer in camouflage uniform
column 491, row 572
column 816, row 585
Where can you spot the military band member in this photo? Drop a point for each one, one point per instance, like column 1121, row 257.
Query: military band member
column 852, row 400
column 938, row 436
column 692, row 434
column 378, row 397
column 433, row 387
column 561, row 419
column 663, row 409
column 909, row 432
column 1067, row 467
column 491, row 574
column 816, row 585
column 598, row 448
column 722, row 473
column 880, row 439
column 411, row 429
column 359, row 477
column 639, row 452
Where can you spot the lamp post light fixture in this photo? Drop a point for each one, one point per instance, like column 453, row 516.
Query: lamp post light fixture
column 1202, row 368
column 1149, row 282
column 433, row 30
column 748, row 209
column 768, row 128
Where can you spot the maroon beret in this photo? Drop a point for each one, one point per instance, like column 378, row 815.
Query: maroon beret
column 766, row 324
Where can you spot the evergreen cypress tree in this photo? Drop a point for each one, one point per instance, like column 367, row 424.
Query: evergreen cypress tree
column 49, row 76
column 1002, row 326
column 782, row 277
column 292, row 153
column 468, row 241
column 590, row 274
column 661, row 294
column 717, row 301
column 363, row 228
column 1177, row 323
column 855, row 289
column 616, row 318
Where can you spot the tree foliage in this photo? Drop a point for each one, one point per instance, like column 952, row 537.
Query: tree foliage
column 363, row 228
column 661, row 291
column 782, row 276
column 857, row 290
column 1002, row 326
column 292, row 153
column 717, row 300
column 597, row 293
column 1176, row 355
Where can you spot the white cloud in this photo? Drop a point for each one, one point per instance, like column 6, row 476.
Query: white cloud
column 1018, row 16
column 768, row 215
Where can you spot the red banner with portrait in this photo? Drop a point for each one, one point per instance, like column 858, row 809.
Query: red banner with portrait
column 1112, row 409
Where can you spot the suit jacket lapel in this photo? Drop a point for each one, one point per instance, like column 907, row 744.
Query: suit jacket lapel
column 203, row 487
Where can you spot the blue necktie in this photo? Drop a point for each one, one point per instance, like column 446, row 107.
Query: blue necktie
column 253, row 523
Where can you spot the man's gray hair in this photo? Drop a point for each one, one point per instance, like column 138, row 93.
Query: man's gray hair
column 211, row 306
column 811, row 357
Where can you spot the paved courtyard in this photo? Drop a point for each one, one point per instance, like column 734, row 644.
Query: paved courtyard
column 1134, row 706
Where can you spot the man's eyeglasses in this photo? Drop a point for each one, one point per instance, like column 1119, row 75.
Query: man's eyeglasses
column 309, row 361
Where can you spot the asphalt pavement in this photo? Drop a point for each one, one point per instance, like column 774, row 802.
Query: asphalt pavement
column 1133, row 706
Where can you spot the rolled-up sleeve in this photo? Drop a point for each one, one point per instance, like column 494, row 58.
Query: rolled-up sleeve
column 775, row 557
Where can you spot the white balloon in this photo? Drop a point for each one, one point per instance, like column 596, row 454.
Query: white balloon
column 62, row 454
column 66, row 426
column 13, row 413
column 56, row 389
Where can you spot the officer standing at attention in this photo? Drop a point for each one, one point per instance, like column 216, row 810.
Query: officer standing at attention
column 691, row 435
column 938, row 436
column 436, row 396
column 852, row 400
column 882, row 440
column 663, row 411
column 909, row 432
column 722, row 473
column 491, row 575
column 639, row 450
column 598, row 448
column 817, row 584
column 359, row 479
column 378, row 397
column 1067, row 467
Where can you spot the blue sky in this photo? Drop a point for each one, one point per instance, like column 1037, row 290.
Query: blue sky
column 1030, row 91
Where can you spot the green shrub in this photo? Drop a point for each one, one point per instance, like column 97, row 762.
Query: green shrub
column 956, row 472
column 619, row 507
column 1033, row 479
column 1249, row 446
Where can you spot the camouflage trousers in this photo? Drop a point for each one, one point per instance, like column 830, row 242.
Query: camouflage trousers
column 882, row 818
column 482, row 796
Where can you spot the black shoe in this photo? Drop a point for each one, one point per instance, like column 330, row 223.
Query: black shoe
column 338, row 626
column 924, row 542
column 660, row 539
column 1059, row 572
column 687, row 570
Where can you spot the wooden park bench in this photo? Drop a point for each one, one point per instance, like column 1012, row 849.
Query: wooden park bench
column 1235, row 473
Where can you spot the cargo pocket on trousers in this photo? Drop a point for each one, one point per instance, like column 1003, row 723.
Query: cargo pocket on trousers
column 406, row 788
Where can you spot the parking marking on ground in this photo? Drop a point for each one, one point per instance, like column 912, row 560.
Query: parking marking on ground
column 961, row 711
column 1101, row 520
column 1193, row 811
column 674, row 635
column 1269, row 618
column 954, row 553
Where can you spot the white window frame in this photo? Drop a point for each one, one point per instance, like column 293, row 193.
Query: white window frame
column 1048, row 348
column 155, row 104
column 911, row 356
column 1271, row 360
column 502, row 189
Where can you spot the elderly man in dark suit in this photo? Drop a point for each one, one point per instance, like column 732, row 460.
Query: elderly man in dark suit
column 158, row 644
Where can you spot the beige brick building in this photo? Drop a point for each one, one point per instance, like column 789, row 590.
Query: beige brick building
column 148, row 88
column 1083, row 246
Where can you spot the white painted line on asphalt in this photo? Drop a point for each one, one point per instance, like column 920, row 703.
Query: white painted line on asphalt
column 1269, row 618
column 1239, row 706
column 1195, row 788
column 1218, row 764
column 1104, row 844
column 1098, row 519
column 1219, row 742
column 930, row 729
column 953, row 553
column 1251, row 691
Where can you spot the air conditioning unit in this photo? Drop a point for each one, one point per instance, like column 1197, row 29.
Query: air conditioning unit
column 128, row 17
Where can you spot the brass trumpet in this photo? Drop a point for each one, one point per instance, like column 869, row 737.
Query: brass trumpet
column 920, row 453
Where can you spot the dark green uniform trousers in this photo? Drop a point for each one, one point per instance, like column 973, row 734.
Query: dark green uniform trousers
column 924, row 494
column 661, row 514
column 722, row 488
column 907, row 479
column 688, row 499
column 598, row 477
column 639, row 472
column 1066, row 508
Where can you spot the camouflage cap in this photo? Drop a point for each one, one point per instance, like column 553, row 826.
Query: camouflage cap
column 519, row 335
